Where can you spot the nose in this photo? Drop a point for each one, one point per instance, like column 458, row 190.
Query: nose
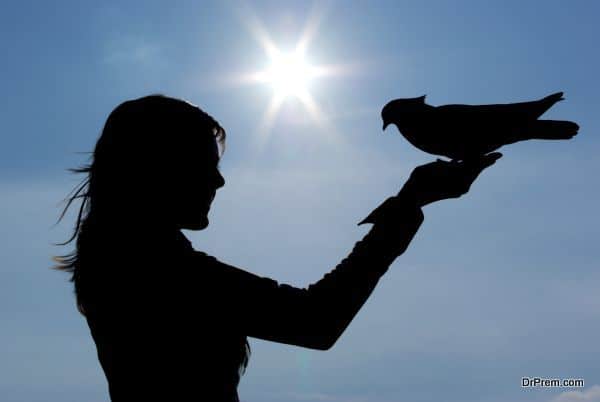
column 220, row 180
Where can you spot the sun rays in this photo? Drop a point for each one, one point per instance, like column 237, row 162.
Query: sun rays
column 290, row 73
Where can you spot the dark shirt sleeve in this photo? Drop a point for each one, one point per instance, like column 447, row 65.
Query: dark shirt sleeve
column 316, row 316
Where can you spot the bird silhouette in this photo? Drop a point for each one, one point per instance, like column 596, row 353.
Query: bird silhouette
column 462, row 132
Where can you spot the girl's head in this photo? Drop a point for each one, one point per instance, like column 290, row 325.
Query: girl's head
column 156, row 163
column 155, row 166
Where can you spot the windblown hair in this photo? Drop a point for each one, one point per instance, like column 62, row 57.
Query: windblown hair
column 135, row 132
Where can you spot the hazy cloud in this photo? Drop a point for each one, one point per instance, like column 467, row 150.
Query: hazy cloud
column 131, row 50
column 591, row 394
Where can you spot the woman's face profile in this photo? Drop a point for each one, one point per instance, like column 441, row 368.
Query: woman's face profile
column 196, row 194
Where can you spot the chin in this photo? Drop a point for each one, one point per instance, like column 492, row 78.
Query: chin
column 198, row 225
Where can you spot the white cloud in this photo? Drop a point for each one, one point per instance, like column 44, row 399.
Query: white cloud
column 324, row 397
column 128, row 49
column 591, row 394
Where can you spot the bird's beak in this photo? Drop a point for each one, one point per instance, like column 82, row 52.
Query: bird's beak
column 385, row 124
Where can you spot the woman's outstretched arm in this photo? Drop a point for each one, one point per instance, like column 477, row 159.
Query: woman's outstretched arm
column 316, row 316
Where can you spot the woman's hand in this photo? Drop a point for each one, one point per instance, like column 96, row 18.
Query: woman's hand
column 432, row 182
column 441, row 180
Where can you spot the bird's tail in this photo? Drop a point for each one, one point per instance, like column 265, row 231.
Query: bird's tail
column 552, row 99
column 550, row 130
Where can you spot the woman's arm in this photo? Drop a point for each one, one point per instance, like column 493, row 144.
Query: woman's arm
column 316, row 316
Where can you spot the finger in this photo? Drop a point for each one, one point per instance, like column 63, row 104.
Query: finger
column 475, row 166
column 490, row 159
column 484, row 159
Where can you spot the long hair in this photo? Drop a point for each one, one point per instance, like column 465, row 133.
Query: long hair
column 134, row 133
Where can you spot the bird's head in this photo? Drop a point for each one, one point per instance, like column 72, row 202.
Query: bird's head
column 397, row 109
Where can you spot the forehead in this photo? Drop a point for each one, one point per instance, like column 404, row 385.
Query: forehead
column 204, row 148
column 199, row 139
column 214, row 151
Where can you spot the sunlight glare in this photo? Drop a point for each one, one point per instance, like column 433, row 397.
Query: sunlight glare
column 289, row 74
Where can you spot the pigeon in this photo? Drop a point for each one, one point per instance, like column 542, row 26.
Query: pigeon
column 462, row 132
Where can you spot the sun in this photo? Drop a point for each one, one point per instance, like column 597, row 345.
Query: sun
column 289, row 74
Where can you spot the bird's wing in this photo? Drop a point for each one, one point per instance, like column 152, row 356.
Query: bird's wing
column 513, row 112
column 464, row 130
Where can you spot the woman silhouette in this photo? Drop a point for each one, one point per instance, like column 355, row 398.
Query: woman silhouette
column 171, row 323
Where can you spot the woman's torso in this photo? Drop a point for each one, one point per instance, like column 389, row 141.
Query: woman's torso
column 153, row 341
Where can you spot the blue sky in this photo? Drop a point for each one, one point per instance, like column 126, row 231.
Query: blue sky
column 498, row 285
